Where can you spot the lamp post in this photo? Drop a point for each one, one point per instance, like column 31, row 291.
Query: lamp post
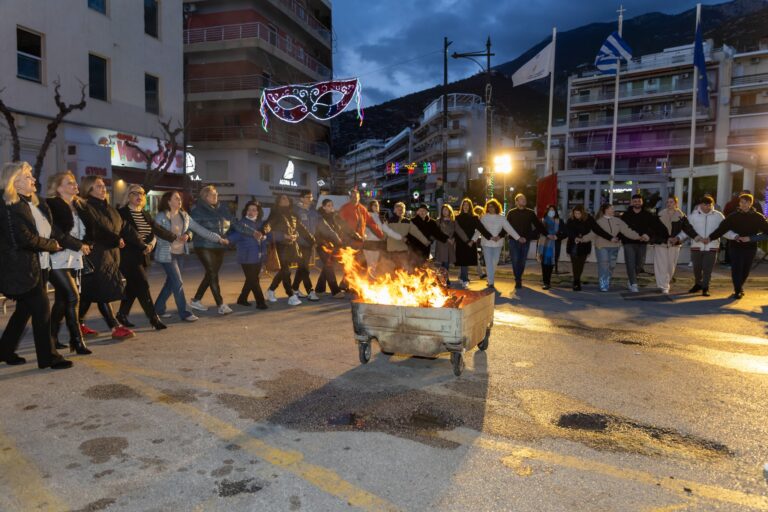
column 503, row 164
column 469, row 171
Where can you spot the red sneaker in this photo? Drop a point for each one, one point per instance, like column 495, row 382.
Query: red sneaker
column 121, row 333
column 87, row 331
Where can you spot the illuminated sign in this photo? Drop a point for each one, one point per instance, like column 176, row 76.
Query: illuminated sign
column 287, row 178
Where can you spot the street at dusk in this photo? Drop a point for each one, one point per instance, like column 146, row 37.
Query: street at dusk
column 331, row 255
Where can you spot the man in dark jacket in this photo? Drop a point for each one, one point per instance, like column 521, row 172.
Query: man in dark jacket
column 310, row 218
column 642, row 222
column 529, row 227
column 746, row 222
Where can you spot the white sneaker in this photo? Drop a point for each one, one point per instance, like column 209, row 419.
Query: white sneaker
column 191, row 318
column 633, row 288
column 294, row 300
column 224, row 309
column 166, row 315
column 665, row 291
column 300, row 294
column 340, row 295
column 271, row 296
column 196, row 304
column 313, row 296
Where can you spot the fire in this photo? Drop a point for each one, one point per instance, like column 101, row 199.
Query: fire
column 421, row 288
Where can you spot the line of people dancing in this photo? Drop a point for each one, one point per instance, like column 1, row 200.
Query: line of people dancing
column 92, row 252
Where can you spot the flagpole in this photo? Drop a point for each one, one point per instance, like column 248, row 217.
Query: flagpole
column 547, row 169
column 694, row 108
column 615, row 113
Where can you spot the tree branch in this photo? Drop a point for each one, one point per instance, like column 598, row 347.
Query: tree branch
column 16, row 154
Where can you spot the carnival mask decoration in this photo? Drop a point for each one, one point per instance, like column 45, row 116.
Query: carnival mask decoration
column 323, row 101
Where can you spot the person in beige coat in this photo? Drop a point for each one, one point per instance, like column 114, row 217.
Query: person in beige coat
column 666, row 248
column 608, row 250
column 398, row 229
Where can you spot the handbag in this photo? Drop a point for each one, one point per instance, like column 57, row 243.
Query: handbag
column 88, row 266
column 272, row 263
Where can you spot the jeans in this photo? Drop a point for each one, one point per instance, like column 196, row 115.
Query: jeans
column 606, row 262
column 741, row 263
column 173, row 285
column 491, row 261
column 633, row 257
column 211, row 260
column 703, row 263
column 66, row 304
column 464, row 274
column 519, row 253
column 302, row 272
column 251, row 284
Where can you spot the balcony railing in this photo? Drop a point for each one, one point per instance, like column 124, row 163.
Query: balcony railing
column 761, row 108
column 677, row 114
column 228, row 133
column 255, row 30
column 749, row 139
column 633, row 93
column 759, row 78
column 301, row 12
column 642, row 145
column 227, row 83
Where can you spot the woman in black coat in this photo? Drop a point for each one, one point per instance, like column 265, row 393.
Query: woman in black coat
column 134, row 258
column 430, row 229
column 25, row 243
column 68, row 213
column 105, row 283
column 579, row 225
column 466, row 250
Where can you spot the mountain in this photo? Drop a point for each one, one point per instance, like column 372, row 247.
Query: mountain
column 740, row 24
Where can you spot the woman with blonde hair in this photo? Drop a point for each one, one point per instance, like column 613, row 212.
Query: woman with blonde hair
column 467, row 223
column 479, row 211
column 134, row 258
column 666, row 243
column 26, row 241
column 496, row 224
column 105, row 283
column 67, row 211
column 445, row 251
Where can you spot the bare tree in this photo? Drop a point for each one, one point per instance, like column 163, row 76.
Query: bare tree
column 159, row 162
column 11, row 121
column 50, row 135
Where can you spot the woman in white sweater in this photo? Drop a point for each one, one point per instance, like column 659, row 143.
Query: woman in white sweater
column 496, row 224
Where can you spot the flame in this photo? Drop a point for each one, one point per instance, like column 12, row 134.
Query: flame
column 420, row 288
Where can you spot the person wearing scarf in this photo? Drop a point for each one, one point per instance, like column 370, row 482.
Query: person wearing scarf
column 547, row 244
column 666, row 248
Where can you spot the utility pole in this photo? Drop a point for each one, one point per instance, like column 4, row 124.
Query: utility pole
column 446, row 44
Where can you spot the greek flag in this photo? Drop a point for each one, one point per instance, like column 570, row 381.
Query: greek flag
column 614, row 48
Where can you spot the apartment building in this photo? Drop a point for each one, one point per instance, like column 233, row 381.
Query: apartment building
column 362, row 168
column 130, row 55
column 233, row 50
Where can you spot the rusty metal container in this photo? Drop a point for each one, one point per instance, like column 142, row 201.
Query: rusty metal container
column 426, row 332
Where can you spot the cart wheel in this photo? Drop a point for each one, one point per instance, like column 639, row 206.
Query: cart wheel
column 365, row 352
column 457, row 360
column 483, row 345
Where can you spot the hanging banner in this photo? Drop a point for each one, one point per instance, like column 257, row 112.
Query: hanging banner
column 323, row 101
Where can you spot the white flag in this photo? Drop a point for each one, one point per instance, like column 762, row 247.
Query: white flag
column 537, row 67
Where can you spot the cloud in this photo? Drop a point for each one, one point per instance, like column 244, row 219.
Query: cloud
column 395, row 46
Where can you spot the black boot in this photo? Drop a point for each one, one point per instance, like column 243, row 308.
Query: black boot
column 78, row 345
column 243, row 301
column 157, row 324
column 59, row 345
column 123, row 319
column 696, row 288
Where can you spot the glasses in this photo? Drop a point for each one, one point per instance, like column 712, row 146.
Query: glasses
column 136, row 192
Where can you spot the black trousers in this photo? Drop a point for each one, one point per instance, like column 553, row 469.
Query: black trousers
column 251, row 284
column 137, row 287
column 66, row 304
column 742, row 256
column 546, row 273
column 211, row 260
column 302, row 273
column 35, row 304
column 577, row 263
column 284, row 274
column 105, row 308
column 327, row 274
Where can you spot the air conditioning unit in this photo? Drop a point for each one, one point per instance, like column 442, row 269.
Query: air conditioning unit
column 647, row 108
column 754, row 61
column 679, row 103
column 574, row 116
column 764, row 93
column 685, row 75
column 709, row 128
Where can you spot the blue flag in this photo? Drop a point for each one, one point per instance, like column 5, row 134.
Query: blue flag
column 613, row 50
column 702, row 91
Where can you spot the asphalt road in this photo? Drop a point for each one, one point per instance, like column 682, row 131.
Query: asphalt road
column 588, row 401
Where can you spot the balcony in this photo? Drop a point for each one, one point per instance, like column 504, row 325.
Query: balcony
column 670, row 143
column 260, row 32
column 624, row 94
column 226, row 83
column 749, row 139
column 761, row 108
column 679, row 114
column 252, row 132
column 300, row 12
column 750, row 80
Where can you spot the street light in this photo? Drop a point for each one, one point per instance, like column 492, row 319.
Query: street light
column 469, row 170
column 503, row 164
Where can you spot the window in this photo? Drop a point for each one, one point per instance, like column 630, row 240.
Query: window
column 265, row 171
column 303, row 179
column 272, row 34
column 150, row 17
column 152, row 94
column 98, row 5
column 217, row 170
column 97, row 78
column 29, row 55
